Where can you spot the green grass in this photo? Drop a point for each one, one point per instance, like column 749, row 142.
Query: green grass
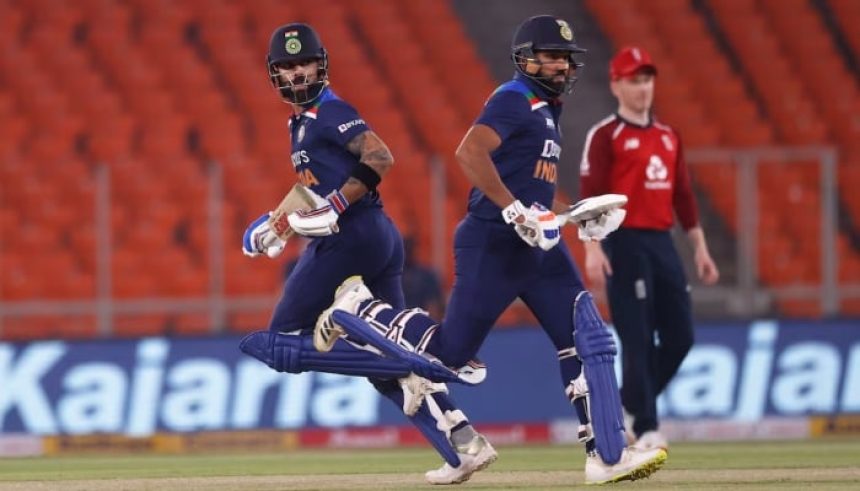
column 820, row 464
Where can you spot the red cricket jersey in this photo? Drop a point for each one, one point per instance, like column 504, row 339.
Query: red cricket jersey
column 644, row 162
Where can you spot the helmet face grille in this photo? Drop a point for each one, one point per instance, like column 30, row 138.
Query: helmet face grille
column 296, row 43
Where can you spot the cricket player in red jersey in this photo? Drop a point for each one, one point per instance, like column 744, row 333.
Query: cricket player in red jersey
column 632, row 153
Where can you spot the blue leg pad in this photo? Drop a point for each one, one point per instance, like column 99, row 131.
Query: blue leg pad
column 597, row 350
column 296, row 353
column 360, row 330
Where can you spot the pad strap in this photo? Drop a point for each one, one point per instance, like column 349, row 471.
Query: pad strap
column 360, row 330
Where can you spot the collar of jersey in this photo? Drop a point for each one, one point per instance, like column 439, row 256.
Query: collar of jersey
column 312, row 109
column 635, row 125
column 536, row 89
column 520, row 86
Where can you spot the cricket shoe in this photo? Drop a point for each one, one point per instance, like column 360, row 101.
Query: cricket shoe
column 348, row 296
column 634, row 464
column 474, row 456
column 415, row 390
column 650, row 440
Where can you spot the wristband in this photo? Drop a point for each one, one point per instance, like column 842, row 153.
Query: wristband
column 366, row 175
column 338, row 201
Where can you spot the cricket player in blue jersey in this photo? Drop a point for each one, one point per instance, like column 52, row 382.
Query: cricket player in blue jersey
column 508, row 246
column 341, row 160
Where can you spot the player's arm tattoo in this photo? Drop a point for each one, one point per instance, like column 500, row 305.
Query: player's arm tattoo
column 371, row 150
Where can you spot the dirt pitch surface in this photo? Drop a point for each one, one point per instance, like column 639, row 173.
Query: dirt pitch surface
column 786, row 465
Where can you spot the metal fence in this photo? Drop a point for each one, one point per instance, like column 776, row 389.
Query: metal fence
column 746, row 295
column 749, row 295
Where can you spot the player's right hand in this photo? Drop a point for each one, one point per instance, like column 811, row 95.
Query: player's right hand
column 526, row 227
column 260, row 239
column 536, row 226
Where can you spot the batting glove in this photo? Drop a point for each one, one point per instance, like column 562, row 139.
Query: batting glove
column 517, row 215
column 598, row 216
column 321, row 221
column 260, row 239
column 548, row 233
column 537, row 226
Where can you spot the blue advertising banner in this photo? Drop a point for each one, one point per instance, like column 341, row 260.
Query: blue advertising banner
column 137, row 387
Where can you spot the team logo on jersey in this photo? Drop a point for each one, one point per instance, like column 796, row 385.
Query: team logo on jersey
column 657, row 174
column 301, row 135
column 565, row 30
column 631, row 144
column 293, row 45
column 299, row 158
column 667, row 142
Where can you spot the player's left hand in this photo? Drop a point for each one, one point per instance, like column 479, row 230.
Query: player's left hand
column 597, row 229
column 318, row 222
column 322, row 220
column 706, row 268
column 598, row 216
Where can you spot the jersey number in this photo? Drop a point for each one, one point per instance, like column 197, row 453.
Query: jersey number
column 307, row 178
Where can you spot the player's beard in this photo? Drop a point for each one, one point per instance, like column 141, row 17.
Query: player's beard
column 559, row 85
column 300, row 89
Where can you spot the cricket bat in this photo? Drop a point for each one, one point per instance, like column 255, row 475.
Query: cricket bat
column 299, row 198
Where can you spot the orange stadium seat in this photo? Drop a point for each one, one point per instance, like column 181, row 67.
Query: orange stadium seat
column 160, row 90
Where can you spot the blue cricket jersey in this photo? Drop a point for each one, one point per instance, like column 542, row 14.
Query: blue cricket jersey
column 526, row 120
column 319, row 138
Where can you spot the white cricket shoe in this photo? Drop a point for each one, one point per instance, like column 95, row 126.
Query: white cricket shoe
column 475, row 456
column 415, row 389
column 634, row 464
column 348, row 296
column 650, row 440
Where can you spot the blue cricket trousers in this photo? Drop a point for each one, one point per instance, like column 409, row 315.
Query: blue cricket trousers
column 493, row 267
column 368, row 244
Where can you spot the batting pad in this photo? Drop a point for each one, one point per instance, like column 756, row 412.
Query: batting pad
column 360, row 330
column 596, row 349
column 295, row 353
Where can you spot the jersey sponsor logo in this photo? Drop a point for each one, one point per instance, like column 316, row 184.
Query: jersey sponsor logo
column 657, row 174
column 551, row 149
column 301, row 135
column 349, row 124
column 550, row 123
column 631, row 144
column 299, row 158
column 545, row 169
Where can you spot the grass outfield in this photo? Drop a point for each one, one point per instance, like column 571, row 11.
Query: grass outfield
column 820, row 464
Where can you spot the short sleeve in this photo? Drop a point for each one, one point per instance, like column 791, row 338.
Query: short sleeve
column 504, row 112
column 342, row 121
